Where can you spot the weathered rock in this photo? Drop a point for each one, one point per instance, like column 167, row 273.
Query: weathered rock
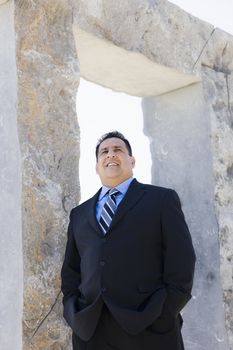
column 157, row 29
column 218, row 88
column 181, row 151
column 218, row 52
column 11, row 259
column 48, row 78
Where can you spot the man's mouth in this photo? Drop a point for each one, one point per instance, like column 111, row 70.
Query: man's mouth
column 112, row 164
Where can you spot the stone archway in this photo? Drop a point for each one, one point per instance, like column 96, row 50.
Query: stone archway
column 42, row 61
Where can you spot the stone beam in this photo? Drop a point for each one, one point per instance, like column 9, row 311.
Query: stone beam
column 158, row 30
column 133, row 73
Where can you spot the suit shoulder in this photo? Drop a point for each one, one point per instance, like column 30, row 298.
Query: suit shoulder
column 158, row 189
column 164, row 193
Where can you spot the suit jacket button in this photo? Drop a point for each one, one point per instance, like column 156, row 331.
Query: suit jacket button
column 102, row 263
column 103, row 289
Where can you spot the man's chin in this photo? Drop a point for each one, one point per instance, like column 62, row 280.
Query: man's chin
column 112, row 172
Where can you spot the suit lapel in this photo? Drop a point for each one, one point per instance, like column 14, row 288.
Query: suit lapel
column 91, row 213
column 132, row 196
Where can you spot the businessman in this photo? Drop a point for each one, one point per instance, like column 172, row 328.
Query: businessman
column 129, row 260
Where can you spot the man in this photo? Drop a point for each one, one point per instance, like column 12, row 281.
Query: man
column 129, row 260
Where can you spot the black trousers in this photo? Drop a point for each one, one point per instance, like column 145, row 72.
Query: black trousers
column 110, row 336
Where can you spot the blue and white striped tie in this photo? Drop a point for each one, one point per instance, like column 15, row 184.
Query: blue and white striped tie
column 108, row 210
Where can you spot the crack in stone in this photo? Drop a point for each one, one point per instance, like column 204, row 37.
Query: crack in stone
column 63, row 204
column 216, row 69
column 225, row 49
column 230, row 114
column 46, row 316
column 228, row 97
column 204, row 46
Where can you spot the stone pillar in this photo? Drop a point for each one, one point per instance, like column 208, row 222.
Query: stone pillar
column 182, row 159
column 11, row 275
column 217, row 79
column 48, row 78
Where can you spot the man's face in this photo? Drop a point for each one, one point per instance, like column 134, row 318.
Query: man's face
column 114, row 164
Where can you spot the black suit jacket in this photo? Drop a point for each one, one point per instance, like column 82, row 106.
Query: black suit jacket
column 142, row 269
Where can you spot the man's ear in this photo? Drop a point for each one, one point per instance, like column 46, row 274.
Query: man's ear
column 133, row 161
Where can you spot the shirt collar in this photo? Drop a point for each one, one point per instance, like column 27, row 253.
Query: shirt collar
column 122, row 188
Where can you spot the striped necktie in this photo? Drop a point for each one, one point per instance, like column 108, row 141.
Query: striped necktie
column 108, row 210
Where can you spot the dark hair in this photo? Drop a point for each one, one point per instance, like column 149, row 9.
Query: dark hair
column 109, row 135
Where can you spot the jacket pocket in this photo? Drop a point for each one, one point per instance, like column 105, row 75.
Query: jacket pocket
column 163, row 326
column 82, row 304
column 175, row 301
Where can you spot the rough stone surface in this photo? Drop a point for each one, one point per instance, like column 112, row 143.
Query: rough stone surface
column 182, row 159
column 158, row 29
column 11, row 262
column 217, row 68
column 48, row 77
column 218, row 52
column 218, row 87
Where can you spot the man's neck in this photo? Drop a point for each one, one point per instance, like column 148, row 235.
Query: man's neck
column 112, row 184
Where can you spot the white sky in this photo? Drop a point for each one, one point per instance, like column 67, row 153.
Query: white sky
column 101, row 110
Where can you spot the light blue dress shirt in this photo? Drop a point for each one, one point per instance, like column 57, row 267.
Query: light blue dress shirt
column 122, row 188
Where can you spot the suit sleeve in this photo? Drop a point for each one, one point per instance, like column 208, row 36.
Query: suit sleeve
column 70, row 273
column 178, row 255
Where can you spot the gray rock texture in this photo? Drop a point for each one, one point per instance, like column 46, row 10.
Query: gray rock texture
column 48, row 77
column 182, row 159
column 133, row 72
column 218, row 89
column 11, row 260
column 156, row 28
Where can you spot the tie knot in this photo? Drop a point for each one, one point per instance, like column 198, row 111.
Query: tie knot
column 113, row 192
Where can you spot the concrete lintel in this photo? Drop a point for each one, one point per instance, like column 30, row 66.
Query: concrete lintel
column 106, row 64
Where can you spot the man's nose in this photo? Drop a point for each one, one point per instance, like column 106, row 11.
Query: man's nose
column 111, row 154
